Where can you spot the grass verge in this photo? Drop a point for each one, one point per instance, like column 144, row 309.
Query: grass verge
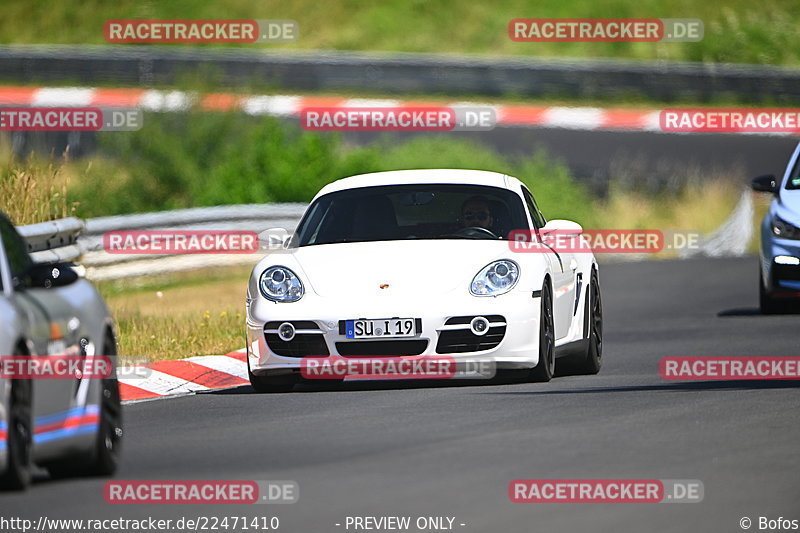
column 34, row 191
column 735, row 30
column 179, row 315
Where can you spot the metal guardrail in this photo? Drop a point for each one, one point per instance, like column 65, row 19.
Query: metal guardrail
column 247, row 217
column 224, row 214
column 55, row 241
column 75, row 240
column 402, row 73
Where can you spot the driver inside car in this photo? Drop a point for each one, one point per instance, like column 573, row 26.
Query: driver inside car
column 475, row 213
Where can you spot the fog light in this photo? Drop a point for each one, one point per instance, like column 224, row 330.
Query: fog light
column 787, row 260
column 286, row 331
column 479, row 326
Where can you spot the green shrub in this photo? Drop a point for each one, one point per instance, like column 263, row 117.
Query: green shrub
column 181, row 160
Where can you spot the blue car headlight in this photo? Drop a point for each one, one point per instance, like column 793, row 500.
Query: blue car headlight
column 495, row 278
column 783, row 229
column 280, row 284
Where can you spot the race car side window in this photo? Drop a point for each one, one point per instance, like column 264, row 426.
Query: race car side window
column 536, row 215
column 17, row 253
column 794, row 178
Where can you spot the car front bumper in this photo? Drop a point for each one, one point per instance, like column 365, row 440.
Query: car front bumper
column 780, row 279
column 515, row 315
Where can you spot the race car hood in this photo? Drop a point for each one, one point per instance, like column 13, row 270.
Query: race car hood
column 429, row 267
column 788, row 206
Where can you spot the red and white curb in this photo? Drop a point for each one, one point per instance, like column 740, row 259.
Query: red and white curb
column 184, row 376
column 575, row 118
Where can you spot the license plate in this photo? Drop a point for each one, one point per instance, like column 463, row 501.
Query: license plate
column 383, row 328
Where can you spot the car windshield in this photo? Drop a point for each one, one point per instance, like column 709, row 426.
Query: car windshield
column 422, row 211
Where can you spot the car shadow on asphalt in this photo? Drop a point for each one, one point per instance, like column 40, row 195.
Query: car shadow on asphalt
column 375, row 385
column 670, row 387
column 751, row 311
column 741, row 311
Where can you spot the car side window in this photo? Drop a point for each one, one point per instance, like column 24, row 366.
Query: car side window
column 17, row 253
column 794, row 178
column 536, row 215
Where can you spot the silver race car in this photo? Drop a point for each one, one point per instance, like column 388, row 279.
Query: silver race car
column 69, row 425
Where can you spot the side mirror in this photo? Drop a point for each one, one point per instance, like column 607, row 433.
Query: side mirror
column 563, row 226
column 47, row 275
column 274, row 239
column 766, row 183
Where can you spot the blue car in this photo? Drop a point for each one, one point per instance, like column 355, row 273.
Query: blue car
column 779, row 287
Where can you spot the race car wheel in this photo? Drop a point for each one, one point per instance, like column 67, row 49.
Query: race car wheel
column 103, row 458
column 592, row 361
column 544, row 371
column 109, row 438
column 768, row 304
column 19, row 439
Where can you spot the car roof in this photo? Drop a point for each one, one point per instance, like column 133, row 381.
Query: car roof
column 432, row 175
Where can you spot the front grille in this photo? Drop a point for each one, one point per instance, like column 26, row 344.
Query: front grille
column 463, row 340
column 382, row 348
column 302, row 345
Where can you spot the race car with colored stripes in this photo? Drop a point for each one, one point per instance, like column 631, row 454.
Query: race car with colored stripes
column 70, row 423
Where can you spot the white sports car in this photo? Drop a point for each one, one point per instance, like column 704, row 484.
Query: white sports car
column 418, row 263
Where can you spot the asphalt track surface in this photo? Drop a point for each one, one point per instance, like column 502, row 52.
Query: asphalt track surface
column 452, row 450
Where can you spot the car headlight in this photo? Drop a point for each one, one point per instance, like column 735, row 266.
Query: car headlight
column 784, row 230
column 280, row 284
column 495, row 278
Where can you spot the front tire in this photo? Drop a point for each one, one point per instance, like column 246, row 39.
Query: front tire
column 592, row 360
column 103, row 458
column 109, row 439
column 19, row 448
column 546, row 368
column 768, row 304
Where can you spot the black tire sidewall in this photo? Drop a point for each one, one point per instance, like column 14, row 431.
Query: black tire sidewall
column 544, row 370
column 19, row 450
